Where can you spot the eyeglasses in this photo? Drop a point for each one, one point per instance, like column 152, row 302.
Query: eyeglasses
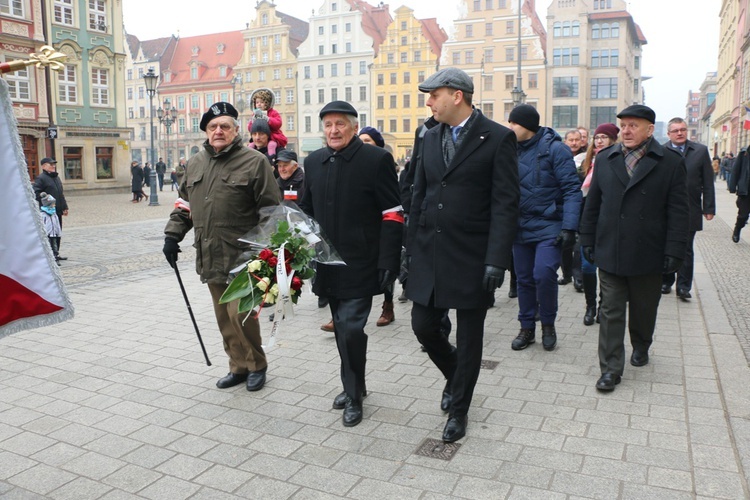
column 601, row 137
column 223, row 126
column 677, row 131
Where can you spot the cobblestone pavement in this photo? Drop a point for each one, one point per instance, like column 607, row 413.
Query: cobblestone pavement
column 118, row 403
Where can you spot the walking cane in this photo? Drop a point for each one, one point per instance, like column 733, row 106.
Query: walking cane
column 190, row 310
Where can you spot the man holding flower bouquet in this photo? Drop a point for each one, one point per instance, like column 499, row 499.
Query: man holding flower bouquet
column 352, row 191
column 220, row 195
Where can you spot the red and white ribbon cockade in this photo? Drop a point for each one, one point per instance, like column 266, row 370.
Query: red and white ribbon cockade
column 395, row 214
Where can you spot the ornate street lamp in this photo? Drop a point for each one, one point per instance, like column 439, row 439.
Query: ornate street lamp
column 167, row 116
column 517, row 94
column 151, row 79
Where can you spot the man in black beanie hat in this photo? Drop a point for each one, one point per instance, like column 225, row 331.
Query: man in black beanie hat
column 550, row 209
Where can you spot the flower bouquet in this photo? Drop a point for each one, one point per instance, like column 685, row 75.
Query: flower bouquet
column 283, row 248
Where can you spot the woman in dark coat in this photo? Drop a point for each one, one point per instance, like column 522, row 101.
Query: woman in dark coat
column 136, row 184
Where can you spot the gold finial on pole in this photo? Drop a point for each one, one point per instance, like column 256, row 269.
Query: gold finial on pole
column 47, row 56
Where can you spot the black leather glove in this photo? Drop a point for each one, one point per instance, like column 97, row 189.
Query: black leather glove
column 171, row 249
column 588, row 252
column 386, row 278
column 671, row 264
column 493, row 278
column 566, row 239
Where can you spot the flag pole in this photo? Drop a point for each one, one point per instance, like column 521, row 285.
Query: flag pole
column 47, row 56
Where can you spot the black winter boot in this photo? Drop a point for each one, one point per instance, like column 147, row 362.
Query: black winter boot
column 736, row 233
column 589, row 290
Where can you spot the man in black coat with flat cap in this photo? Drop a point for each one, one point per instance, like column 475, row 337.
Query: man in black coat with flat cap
column 634, row 228
column 463, row 219
column 352, row 191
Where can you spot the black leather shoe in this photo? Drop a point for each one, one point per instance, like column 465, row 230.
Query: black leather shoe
column 607, row 382
column 61, row 258
column 639, row 358
column 524, row 339
column 454, row 429
column 590, row 316
column 447, row 399
column 684, row 294
column 549, row 337
column 564, row 280
column 736, row 234
column 665, row 289
column 322, row 302
column 256, row 380
column 231, row 380
column 513, row 292
column 339, row 402
column 352, row 413
column 578, row 284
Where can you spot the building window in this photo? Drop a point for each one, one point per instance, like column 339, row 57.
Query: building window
column 321, row 30
column 469, row 57
column 307, row 96
column 348, row 47
column 489, row 55
column 614, row 58
column 362, row 67
column 131, row 113
column 403, row 25
column 420, row 76
column 469, row 31
column 276, row 96
column 510, row 53
column 380, row 79
column 321, row 71
column 64, row 12
column 363, row 93
column 130, row 74
column 604, row 88
column 488, row 29
column 394, row 78
column 223, row 71
column 334, row 94
column 334, row 29
column 290, row 122
column 487, row 82
column 264, row 40
column 595, row 59
column 393, row 125
column 181, row 102
column 565, row 86
column 575, row 28
column 407, row 101
column 194, row 101
column 417, row 56
column 141, row 92
column 130, row 94
column 262, row 75
column 524, row 53
column 407, row 77
column 477, row 5
column 308, row 124
column 564, row 117
column 253, row 42
column 509, row 81
column 181, row 126
column 194, row 73
column 277, row 39
column 348, row 69
column 18, row 85
column 142, row 114
column 404, row 40
column 264, row 57
column 277, row 55
column 420, row 100
column 321, row 50
column 73, row 161
column 393, row 101
column 290, row 72
column 290, row 96
column 99, row 87
column 404, row 57
column 507, row 108
column 334, row 48
column 381, row 102
column 334, row 7
column 334, row 69
column 456, row 58
column 605, row 30
column 615, row 31
column 565, row 57
column 348, row 27
column 603, row 114
column 635, row 87
column 407, row 125
column 264, row 19
column 595, row 31
column 253, row 59
column 533, row 80
column 306, row 72
column 97, row 17
column 510, row 27
column 195, row 124
column 209, row 98
column 381, row 125
column 104, row 163
column 637, row 62
column 488, row 109
column 277, row 74
column 390, row 58
column 321, row 96
column 347, row 94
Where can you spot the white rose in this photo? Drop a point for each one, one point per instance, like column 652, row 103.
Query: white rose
column 263, row 284
column 274, row 289
column 254, row 266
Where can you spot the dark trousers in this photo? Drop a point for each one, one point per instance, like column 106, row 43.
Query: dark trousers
column 536, row 270
column 639, row 296
column 743, row 210
column 59, row 238
column 242, row 341
column 161, row 181
column 459, row 365
column 685, row 274
column 349, row 319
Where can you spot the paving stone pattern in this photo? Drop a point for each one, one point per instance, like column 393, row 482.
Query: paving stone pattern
column 118, row 403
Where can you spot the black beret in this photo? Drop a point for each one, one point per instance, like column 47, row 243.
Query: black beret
column 638, row 111
column 342, row 107
column 220, row 108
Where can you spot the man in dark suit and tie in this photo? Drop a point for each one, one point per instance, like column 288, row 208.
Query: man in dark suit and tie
column 701, row 196
column 634, row 227
column 463, row 220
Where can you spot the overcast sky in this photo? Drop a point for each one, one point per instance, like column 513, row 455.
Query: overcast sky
column 683, row 35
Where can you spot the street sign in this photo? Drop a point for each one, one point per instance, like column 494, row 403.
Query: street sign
column 51, row 132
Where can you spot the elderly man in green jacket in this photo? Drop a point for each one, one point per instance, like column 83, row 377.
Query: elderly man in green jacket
column 221, row 192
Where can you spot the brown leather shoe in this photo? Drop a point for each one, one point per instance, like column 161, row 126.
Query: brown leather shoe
column 328, row 327
column 387, row 316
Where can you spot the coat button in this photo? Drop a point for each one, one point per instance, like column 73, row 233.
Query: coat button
column 440, row 206
column 438, row 230
column 443, row 183
column 331, row 160
column 622, row 216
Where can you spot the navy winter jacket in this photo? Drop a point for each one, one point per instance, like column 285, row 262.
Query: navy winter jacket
column 550, row 188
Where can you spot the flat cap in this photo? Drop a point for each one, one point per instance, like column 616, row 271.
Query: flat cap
column 220, row 108
column 286, row 155
column 638, row 111
column 453, row 78
column 342, row 107
column 48, row 160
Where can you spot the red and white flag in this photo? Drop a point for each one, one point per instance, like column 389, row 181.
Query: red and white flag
column 32, row 293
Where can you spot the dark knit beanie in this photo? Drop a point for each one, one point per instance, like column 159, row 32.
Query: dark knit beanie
column 261, row 126
column 376, row 136
column 608, row 129
column 526, row 116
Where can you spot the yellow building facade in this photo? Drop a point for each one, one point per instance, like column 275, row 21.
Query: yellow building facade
column 409, row 54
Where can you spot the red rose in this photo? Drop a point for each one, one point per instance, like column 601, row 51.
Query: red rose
column 265, row 254
column 296, row 283
column 272, row 261
column 288, row 267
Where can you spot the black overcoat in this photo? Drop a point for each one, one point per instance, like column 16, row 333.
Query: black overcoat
column 50, row 183
column 347, row 192
column 632, row 223
column 136, row 183
column 463, row 217
column 700, row 182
